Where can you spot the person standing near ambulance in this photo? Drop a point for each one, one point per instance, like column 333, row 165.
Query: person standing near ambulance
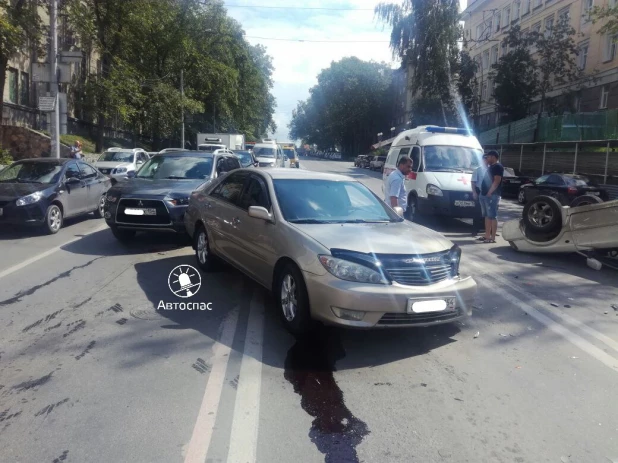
column 396, row 195
column 491, row 191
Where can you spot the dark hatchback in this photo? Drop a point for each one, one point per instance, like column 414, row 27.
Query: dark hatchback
column 246, row 158
column 43, row 192
column 156, row 197
column 565, row 188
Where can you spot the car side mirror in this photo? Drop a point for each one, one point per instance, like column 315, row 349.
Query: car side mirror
column 72, row 181
column 256, row 164
column 398, row 210
column 260, row 212
column 131, row 174
column 140, row 162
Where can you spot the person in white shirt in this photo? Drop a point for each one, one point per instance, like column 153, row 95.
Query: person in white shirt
column 396, row 195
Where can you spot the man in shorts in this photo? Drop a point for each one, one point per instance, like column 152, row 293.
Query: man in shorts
column 491, row 191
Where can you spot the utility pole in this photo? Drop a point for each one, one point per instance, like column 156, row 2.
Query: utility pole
column 55, row 115
column 182, row 110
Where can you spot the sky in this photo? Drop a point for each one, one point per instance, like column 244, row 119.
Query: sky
column 297, row 64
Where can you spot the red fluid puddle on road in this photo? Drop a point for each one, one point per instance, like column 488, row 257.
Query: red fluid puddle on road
column 309, row 367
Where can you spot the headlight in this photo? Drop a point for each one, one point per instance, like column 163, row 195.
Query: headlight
column 350, row 271
column 434, row 190
column 120, row 170
column 272, row 164
column 454, row 256
column 179, row 201
column 30, row 199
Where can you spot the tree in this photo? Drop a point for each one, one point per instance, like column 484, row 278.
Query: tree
column 609, row 13
column 557, row 52
column 20, row 25
column 468, row 87
column 515, row 76
column 348, row 106
column 424, row 35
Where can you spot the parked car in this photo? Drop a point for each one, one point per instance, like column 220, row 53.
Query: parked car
column 377, row 163
column 305, row 236
column 547, row 226
column 512, row 181
column 358, row 159
column 566, row 188
column 366, row 161
column 116, row 163
column 247, row 159
column 155, row 199
column 43, row 192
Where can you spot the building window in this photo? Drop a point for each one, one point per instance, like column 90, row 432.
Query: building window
column 506, row 16
column 505, row 48
column 494, row 54
column 582, row 58
column 516, row 8
column 549, row 25
column 564, row 16
column 490, row 93
column 538, row 3
column 586, row 11
column 526, row 7
column 484, row 91
column 609, row 51
column 486, row 59
column 536, row 29
column 497, row 21
column 24, row 87
column 604, row 96
column 13, row 85
column 479, row 31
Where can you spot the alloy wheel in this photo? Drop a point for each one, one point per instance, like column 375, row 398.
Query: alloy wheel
column 540, row 214
column 521, row 197
column 55, row 218
column 289, row 303
column 202, row 247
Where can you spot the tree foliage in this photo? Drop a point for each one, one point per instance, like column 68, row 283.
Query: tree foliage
column 145, row 45
column 468, row 87
column 424, row 35
column 20, row 25
column 348, row 106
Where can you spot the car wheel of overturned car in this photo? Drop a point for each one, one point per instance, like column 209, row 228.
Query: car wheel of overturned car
column 100, row 210
column 122, row 235
column 586, row 200
column 292, row 300
column 205, row 259
column 53, row 219
column 543, row 214
column 521, row 196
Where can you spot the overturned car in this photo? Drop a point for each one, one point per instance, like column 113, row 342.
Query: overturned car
column 588, row 226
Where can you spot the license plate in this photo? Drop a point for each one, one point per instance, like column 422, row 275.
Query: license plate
column 430, row 305
column 140, row 211
column 514, row 181
column 465, row 203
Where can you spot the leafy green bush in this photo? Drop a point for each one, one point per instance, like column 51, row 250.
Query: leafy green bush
column 5, row 157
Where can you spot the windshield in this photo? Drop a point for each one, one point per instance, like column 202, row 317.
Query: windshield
column 31, row 172
column 328, row 201
column 451, row 158
column 244, row 157
column 289, row 153
column 117, row 156
column 177, row 167
column 264, row 152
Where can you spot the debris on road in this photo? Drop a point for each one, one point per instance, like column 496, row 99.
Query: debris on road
column 554, row 304
column 567, row 306
column 615, row 307
column 477, row 334
column 504, row 335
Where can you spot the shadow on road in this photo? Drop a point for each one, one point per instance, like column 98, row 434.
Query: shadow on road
column 17, row 232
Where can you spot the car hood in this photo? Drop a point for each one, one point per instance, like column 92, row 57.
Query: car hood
column 450, row 181
column 10, row 191
column 111, row 164
column 379, row 238
column 263, row 159
column 134, row 187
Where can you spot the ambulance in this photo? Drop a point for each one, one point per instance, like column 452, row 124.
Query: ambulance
column 440, row 182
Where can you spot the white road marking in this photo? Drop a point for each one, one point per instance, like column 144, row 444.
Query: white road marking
column 556, row 327
column 202, row 432
column 47, row 253
column 244, row 435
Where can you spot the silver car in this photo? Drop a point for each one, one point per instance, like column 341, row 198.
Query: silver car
column 329, row 249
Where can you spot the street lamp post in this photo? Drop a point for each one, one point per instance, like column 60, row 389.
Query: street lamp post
column 55, row 115
column 182, row 110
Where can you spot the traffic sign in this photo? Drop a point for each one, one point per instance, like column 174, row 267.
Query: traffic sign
column 47, row 103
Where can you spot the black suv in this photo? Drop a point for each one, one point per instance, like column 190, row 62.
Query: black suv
column 156, row 197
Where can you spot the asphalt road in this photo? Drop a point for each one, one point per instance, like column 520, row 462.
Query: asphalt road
column 90, row 371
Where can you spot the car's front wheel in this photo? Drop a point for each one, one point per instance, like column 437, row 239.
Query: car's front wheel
column 205, row 259
column 292, row 300
column 123, row 235
column 53, row 219
column 100, row 210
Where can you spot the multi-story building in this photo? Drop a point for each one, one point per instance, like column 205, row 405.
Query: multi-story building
column 486, row 23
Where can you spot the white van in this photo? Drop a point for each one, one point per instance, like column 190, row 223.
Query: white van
column 443, row 161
